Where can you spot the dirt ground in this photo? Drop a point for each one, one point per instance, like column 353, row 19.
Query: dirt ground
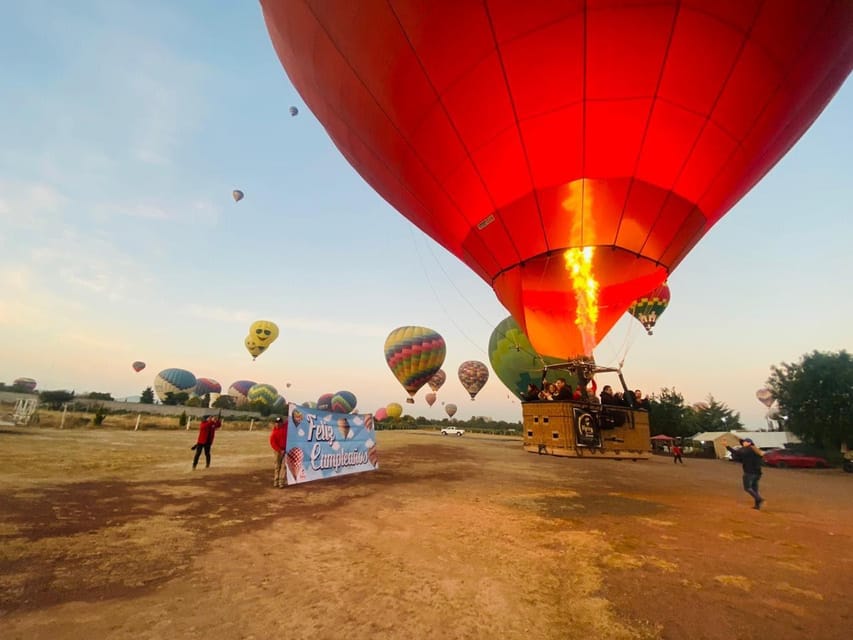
column 110, row 534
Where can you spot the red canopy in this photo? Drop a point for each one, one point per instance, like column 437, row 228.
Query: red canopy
column 513, row 130
column 662, row 437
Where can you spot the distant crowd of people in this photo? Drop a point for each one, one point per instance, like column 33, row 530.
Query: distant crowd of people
column 561, row 391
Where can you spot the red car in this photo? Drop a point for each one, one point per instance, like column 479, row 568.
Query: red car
column 782, row 458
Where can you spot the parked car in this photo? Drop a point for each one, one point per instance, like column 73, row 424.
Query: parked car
column 452, row 431
column 782, row 458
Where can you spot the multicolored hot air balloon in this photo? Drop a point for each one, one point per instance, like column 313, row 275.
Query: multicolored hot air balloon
column 324, row 402
column 648, row 308
column 765, row 397
column 430, row 398
column 570, row 153
column 414, row 355
column 28, row 385
column 279, row 405
column 438, row 379
column 450, row 409
column 237, row 195
column 262, row 393
column 344, row 402
column 253, row 347
column 174, row 381
column 516, row 362
column 394, row 410
column 205, row 386
column 138, row 366
column 473, row 375
column 239, row 391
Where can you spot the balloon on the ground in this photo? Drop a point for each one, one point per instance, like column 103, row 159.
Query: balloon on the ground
column 237, row 195
column 649, row 307
column 239, row 391
column 344, row 402
column 437, row 379
column 380, row 414
column 430, row 398
column 414, row 355
column 138, row 366
column 174, row 381
column 205, row 386
column 262, row 393
column 27, row 384
column 570, row 153
column 516, row 362
column 394, row 410
column 450, row 409
column 293, row 111
column 279, row 404
column 324, row 402
column 765, row 397
column 473, row 375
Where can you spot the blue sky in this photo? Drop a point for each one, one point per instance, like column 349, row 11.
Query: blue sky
column 125, row 128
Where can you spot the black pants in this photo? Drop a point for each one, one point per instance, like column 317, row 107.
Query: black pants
column 677, row 458
column 198, row 449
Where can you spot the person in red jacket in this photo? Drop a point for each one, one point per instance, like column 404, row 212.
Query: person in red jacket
column 278, row 442
column 206, row 432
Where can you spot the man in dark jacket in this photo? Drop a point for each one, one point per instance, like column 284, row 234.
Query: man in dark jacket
column 750, row 457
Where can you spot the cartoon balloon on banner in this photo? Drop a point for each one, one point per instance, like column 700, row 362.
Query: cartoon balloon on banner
column 516, row 362
column 570, row 153
column 394, row 410
column 450, row 409
column 765, row 397
column 648, row 308
column 414, row 355
column 473, row 375
column 437, row 379
column 138, row 366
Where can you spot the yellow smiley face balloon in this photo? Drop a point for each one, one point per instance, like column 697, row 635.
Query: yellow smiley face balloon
column 253, row 347
column 264, row 332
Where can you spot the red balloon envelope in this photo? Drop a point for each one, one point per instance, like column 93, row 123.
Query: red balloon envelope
column 571, row 153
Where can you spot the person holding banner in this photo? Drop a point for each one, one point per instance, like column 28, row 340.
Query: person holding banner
column 278, row 441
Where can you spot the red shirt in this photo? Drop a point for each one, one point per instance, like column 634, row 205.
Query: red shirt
column 278, row 438
column 207, row 430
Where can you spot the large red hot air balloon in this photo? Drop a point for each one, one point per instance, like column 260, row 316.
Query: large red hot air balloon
column 570, row 153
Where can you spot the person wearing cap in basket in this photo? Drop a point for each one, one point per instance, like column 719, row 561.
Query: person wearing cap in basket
column 750, row 458
column 278, row 442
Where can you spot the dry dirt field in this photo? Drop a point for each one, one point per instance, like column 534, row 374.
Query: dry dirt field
column 108, row 533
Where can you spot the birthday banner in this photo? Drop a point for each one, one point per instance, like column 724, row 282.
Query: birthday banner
column 323, row 444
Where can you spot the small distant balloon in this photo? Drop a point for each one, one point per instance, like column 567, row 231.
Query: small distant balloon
column 237, row 195
column 450, row 409
column 138, row 366
column 293, row 111
column 430, row 398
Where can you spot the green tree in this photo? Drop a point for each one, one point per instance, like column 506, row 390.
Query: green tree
column 668, row 415
column 147, row 396
column 178, row 398
column 713, row 416
column 55, row 399
column 224, row 402
column 95, row 395
column 815, row 397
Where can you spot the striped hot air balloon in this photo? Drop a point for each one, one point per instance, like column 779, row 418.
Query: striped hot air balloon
column 239, row 390
column 174, row 381
column 205, row 386
column 344, row 402
column 473, row 375
column 264, row 394
column 414, row 355
column 648, row 308
column 324, row 402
